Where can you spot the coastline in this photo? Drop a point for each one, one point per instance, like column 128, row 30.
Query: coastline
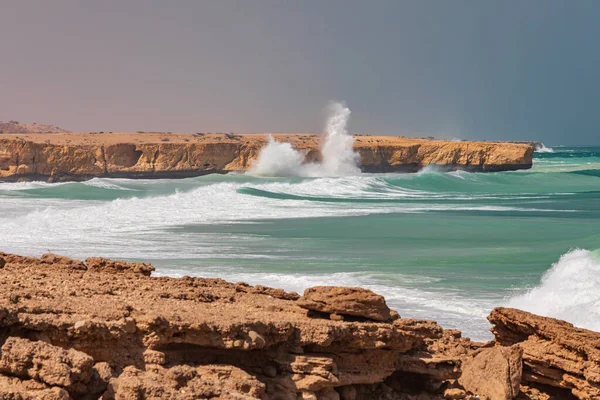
column 59, row 157
column 116, row 332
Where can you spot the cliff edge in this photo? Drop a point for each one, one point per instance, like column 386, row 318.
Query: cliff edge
column 65, row 157
column 20, row 127
column 116, row 332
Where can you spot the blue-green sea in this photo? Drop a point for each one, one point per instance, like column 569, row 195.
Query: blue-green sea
column 447, row 246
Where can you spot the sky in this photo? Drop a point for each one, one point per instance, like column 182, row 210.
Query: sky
column 493, row 70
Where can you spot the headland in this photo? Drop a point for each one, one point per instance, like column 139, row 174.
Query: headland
column 58, row 157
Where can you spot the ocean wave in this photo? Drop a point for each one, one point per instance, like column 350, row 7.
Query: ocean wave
column 365, row 187
column 541, row 148
column 103, row 183
column 338, row 156
column 587, row 172
column 570, row 291
column 126, row 220
column 24, row 186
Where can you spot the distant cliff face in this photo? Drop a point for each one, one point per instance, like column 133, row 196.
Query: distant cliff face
column 63, row 157
column 18, row 127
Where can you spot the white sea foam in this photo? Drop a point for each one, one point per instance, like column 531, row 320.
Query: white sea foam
column 431, row 169
column 570, row 290
column 104, row 184
column 19, row 186
column 281, row 159
column 338, row 156
column 141, row 225
column 363, row 187
column 543, row 149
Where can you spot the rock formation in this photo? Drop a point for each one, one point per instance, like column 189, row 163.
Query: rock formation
column 108, row 329
column 62, row 157
column 345, row 302
column 18, row 127
column 555, row 353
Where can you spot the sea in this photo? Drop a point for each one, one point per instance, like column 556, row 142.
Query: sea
column 444, row 246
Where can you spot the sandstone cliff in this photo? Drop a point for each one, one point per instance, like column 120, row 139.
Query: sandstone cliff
column 108, row 329
column 61, row 157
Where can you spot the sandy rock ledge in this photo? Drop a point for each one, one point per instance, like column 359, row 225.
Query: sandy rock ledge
column 108, row 329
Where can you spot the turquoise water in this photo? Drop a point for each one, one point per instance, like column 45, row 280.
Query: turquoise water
column 443, row 246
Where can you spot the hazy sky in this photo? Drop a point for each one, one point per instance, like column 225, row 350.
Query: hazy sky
column 472, row 69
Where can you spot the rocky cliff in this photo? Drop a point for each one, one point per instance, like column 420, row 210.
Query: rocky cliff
column 108, row 329
column 19, row 127
column 61, row 157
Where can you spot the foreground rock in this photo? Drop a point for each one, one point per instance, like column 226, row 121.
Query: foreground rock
column 63, row 157
column 555, row 353
column 108, row 329
column 54, row 366
column 495, row 372
column 346, row 302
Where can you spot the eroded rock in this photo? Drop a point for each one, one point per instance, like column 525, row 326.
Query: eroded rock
column 12, row 388
column 54, row 366
column 555, row 353
column 493, row 373
column 186, row 382
column 115, row 332
column 351, row 301
column 111, row 266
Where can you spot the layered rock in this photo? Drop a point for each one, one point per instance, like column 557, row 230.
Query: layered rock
column 108, row 329
column 494, row 372
column 343, row 302
column 160, row 337
column 555, row 353
column 61, row 157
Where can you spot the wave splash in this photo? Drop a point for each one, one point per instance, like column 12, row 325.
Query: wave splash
column 281, row 159
column 338, row 156
column 541, row 148
column 570, row 291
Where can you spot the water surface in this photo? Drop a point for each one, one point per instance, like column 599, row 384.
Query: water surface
column 443, row 246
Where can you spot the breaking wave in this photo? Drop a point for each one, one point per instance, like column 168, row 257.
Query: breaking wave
column 570, row 290
column 541, row 148
column 338, row 157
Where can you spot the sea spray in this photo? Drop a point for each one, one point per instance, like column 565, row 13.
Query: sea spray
column 541, row 148
column 338, row 156
column 279, row 159
column 570, row 290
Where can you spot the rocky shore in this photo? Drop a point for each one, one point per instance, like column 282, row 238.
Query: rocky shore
column 108, row 329
column 65, row 157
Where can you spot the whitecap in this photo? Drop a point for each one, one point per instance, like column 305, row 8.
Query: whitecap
column 570, row 291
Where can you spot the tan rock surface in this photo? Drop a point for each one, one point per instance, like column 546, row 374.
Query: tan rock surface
column 113, row 312
column 494, row 373
column 555, row 353
column 349, row 301
column 17, row 389
column 54, row 366
column 186, row 382
column 60, row 157
column 104, row 328
column 20, row 127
